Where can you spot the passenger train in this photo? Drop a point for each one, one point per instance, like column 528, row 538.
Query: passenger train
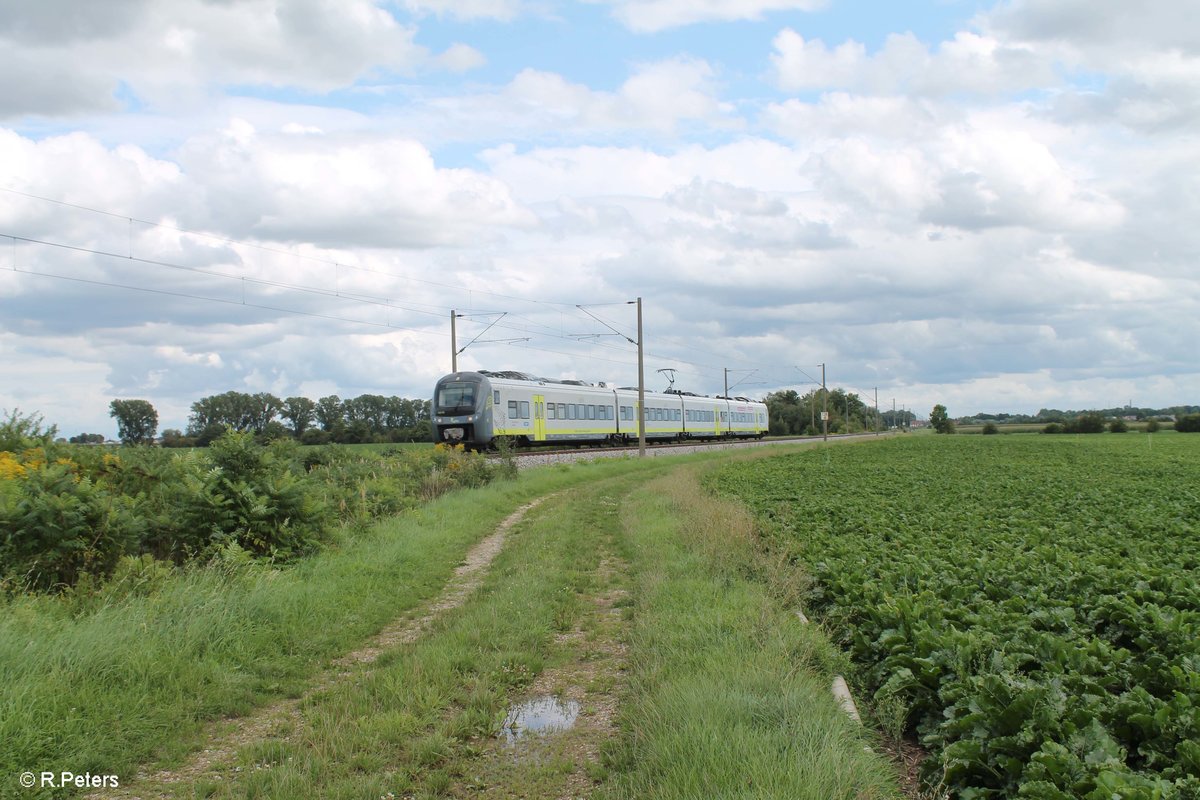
column 476, row 408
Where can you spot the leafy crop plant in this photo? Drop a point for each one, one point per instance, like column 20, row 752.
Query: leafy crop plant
column 1034, row 606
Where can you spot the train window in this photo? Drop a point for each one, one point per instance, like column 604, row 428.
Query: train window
column 550, row 411
column 570, row 411
column 591, row 412
column 496, row 396
column 524, row 409
column 675, row 414
column 562, row 410
column 456, row 398
column 512, row 409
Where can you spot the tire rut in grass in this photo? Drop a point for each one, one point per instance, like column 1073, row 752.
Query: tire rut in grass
column 587, row 673
column 277, row 721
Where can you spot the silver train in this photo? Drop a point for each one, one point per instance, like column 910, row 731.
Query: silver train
column 476, row 408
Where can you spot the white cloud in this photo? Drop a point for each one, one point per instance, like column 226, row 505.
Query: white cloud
column 1004, row 219
column 658, row 97
column 469, row 9
column 341, row 190
column 967, row 63
column 1147, row 54
column 461, row 58
column 175, row 53
column 652, row 16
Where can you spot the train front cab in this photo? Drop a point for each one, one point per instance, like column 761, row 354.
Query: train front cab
column 462, row 410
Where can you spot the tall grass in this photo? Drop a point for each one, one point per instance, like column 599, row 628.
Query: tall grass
column 730, row 693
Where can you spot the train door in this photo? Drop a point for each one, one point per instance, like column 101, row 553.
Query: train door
column 539, row 418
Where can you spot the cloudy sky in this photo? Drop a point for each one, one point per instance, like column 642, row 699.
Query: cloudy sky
column 995, row 206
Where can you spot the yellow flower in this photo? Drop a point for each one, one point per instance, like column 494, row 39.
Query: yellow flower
column 34, row 458
column 10, row 468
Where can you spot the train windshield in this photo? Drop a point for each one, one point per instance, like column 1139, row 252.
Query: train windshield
column 456, row 397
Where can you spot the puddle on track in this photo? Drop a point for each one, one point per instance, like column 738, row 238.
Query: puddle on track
column 541, row 715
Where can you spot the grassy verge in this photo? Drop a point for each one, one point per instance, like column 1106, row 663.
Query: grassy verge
column 729, row 692
column 135, row 680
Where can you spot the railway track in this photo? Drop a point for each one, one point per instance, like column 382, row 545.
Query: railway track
column 537, row 456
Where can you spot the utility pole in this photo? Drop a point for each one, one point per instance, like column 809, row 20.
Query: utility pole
column 641, row 387
column 895, row 424
column 876, row 410
column 727, row 381
column 453, row 344
column 824, row 406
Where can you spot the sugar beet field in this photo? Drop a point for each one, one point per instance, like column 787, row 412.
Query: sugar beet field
column 1026, row 607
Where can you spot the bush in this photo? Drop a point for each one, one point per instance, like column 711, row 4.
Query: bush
column 1117, row 426
column 250, row 497
column 314, row 436
column 1054, row 427
column 989, row 429
column 56, row 526
column 1152, row 426
column 72, row 521
column 1188, row 423
column 1086, row 423
column 20, row 432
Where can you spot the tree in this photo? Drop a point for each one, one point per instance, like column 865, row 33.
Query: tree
column 990, row 429
column 786, row 416
column 237, row 410
column 301, row 412
column 330, row 413
column 137, row 421
column 940, row 420
column 1188, row 423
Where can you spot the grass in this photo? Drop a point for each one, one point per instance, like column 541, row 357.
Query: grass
column 729, row 692
column 136, row 681
column 100, row 691
column 412, row 724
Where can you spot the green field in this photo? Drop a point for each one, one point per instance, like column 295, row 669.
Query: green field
column 1027, row 607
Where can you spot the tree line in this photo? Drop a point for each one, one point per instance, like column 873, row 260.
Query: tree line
column 364, row 419
column 790, row 413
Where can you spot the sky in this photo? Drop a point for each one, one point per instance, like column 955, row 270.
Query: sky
column 990, row 205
